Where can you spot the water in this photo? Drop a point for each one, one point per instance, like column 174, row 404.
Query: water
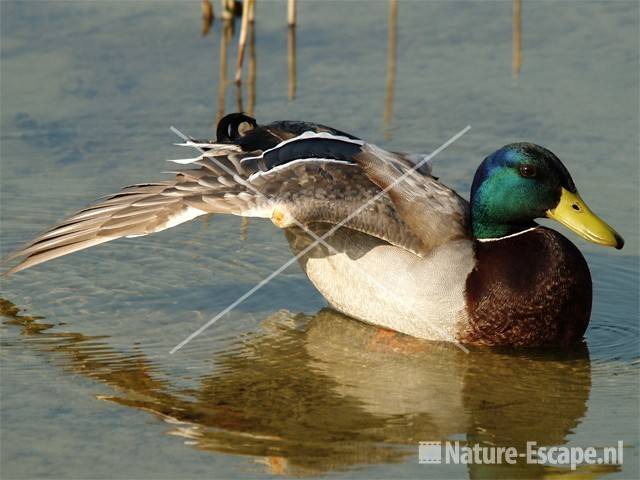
column 282, row 386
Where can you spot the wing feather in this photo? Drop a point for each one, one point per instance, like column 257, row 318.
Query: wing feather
column 434, row 212
column 316, row 176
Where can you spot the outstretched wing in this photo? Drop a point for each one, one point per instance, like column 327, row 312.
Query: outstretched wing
column 327, row 178
column 316, row 176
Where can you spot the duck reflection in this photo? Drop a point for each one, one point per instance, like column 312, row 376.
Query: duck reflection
column 308, row 394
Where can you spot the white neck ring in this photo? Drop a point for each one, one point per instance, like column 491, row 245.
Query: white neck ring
column 506, row 236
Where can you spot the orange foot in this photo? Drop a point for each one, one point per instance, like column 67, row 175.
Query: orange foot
column 385, row 340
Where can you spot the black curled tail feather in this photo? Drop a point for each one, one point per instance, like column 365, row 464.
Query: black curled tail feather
column 233, row 126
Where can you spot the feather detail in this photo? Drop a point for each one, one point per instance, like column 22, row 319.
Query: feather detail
column 291, row 172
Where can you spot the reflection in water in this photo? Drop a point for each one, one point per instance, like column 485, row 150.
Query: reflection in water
column 226, row 34
column 291, row 61
column 244, row 229
column 251, row 70
column 312, row 394
column 207, row 16
column 517, row 38
column 232, row 9
column 247, row 8
column 291, row 48
column 392, row 48
column 291, row 12
column 247, row 34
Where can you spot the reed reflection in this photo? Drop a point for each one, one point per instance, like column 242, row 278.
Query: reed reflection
column 247, row 35
column 207, row 16
column 516, row 61
column 246, row 42
column 252, row 67
column 226, row 35
column 392, row 51
column 310, row 394
column 247, row 8
column 291, row 62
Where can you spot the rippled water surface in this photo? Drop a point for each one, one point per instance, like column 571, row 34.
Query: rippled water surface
column 282, row 386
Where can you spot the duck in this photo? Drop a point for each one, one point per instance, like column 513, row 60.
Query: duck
column 380, row 237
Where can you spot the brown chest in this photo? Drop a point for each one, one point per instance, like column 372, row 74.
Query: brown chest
column 531, row 289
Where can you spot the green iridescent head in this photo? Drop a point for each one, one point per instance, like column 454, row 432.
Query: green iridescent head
column 522, row 182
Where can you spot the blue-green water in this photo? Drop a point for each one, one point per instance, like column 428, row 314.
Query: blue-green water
column 280, row 386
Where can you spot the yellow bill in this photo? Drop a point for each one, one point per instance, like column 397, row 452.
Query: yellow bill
column 574, row 214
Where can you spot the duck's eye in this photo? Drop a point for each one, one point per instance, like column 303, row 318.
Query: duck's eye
column 527, row 171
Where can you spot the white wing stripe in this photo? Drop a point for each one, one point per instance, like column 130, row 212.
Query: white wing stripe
column 185, row 161
column 305, row 136
column 278, row 168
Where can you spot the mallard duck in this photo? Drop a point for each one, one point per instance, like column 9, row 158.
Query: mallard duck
column 377, row 234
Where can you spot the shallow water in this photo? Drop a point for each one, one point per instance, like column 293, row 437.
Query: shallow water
column 282, row 386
